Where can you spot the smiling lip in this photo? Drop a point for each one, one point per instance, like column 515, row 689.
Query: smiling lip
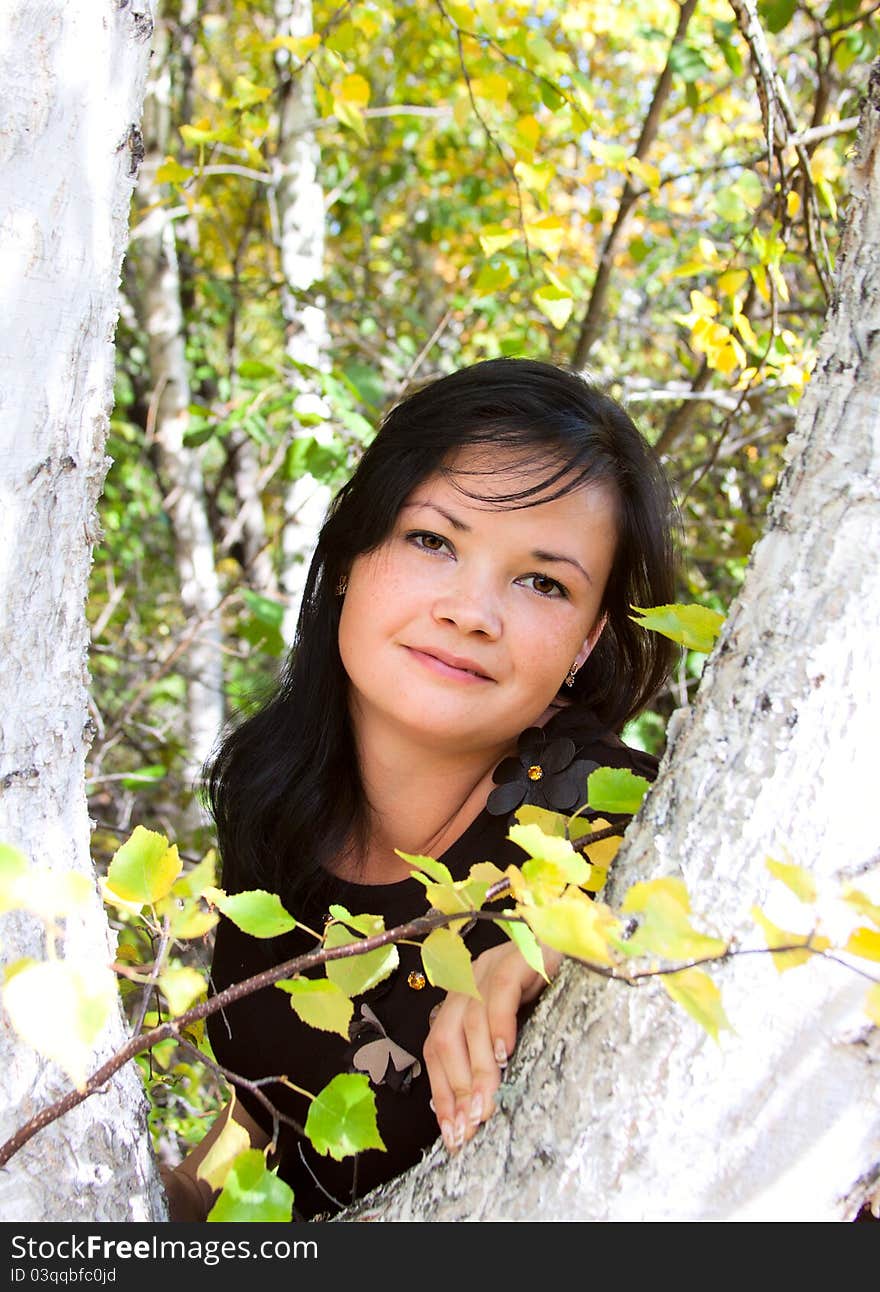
column 450, row 665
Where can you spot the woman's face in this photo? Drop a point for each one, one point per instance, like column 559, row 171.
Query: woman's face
column 457, row 632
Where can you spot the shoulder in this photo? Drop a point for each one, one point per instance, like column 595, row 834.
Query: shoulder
column 597, row 743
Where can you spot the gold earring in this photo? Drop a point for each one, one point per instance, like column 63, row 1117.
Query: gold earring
column 571, row 675
column 342, row 585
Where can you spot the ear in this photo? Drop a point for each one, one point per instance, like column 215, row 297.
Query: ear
column 590, row 641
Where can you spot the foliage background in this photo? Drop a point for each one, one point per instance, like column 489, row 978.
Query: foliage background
column 338, row 202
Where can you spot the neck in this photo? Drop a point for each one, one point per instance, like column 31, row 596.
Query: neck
column 420, row 801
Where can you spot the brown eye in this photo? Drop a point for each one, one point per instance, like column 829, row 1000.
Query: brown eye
column 427, row 541
column 544, row 585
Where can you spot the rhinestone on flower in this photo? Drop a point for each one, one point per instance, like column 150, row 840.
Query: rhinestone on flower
column 544, row 773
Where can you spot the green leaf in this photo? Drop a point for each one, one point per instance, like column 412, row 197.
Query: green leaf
column 616, row 789
column 144, row 776
column 695, row 627
column 523, row 937
column 319, row 1003
column 13, row 868
column 252, row 1193
column 193, row 882
column 776, row 14
column 435, row 869
column 232, row 1141
column 342, row 1117
column 696, row 992
column 494, row 237
column 255, row 912
column 448, row 964
column 688, row 62
column 263, row 608
column 143, row 869
column 356, row 974
column 541, row 847
column 171, row 172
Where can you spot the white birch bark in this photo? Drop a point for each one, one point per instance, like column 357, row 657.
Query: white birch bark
column 300, row 200
column 71, row 89
column 617, row 1105
column 161, row 315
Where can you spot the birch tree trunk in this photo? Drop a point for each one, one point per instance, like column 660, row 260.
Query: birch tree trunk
column 300, row 200
column 160, row 312
column 71, row 88
column 617, row 1105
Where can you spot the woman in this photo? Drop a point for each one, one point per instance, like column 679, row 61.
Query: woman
column 464, row 644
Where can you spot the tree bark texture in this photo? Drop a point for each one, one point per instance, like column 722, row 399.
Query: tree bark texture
column 71, row 88
column 300, row 201
column 160, row 312
column 618, row 1106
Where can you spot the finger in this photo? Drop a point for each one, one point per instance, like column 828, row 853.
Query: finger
column 447, row 1062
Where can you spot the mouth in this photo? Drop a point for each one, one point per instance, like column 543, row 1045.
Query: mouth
column 454, row 666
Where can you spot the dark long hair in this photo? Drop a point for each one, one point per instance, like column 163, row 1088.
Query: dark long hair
column 284, row 786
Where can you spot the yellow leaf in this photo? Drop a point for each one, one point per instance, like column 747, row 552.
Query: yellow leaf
column 696, row 992
column 547, row 235
column 493, row 88
column 863, row 904
column 171, row 172
column 648, row 174
column 181, row 987
column 549, row 847
column 51, row 894
column 777, row 937
column 142, row 870
column 350, row 97
column 447, row 963
column 299, row 46
column 796, row 878
column 730, row 282
column 872, row 1004
column 865, row 943
column 575, row 925
column 232, row 1140
column 792, row 204
column 60, row 1007
column 535, row 178
column 319, row 1003
column 702, row 305
column 527, row 132
column 555, row 303
column 639, row 896
column 494, row 237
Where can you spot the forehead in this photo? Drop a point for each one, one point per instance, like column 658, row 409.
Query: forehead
column 492, row 478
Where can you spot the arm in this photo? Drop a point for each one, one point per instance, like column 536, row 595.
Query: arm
column 471, row 1040
column 189, row 1198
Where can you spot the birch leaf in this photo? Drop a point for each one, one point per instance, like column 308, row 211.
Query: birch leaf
column 319, row 1003
column 252, row 1193
column 143, row 869
column 448, row 964
column 342, row 1117
column 357, row 973
column 13, row 868
column 796, row 878
column 523, row 937
column 255, row 912
column 216, row 1164
column 697, row 993
column 60, row 1007
column 181, row 987
column 865, row 943
column 695, row 627
column 575, row 925
column 616, row 789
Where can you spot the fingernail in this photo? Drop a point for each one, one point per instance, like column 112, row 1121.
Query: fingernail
column 477, row 1109
column 500, row 1053
column 431, row 1105
column 448, row 1136
column 459, row 1130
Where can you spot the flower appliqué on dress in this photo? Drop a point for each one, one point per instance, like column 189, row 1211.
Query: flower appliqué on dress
column 385, row 1062
column 543, row 773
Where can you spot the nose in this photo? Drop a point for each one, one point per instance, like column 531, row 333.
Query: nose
column 470, row 608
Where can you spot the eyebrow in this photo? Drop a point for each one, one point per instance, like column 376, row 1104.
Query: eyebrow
column 553, row 558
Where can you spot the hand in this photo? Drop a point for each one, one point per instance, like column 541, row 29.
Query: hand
column 471, row 1040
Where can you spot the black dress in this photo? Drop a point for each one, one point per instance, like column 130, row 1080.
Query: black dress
column 261, row 1036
